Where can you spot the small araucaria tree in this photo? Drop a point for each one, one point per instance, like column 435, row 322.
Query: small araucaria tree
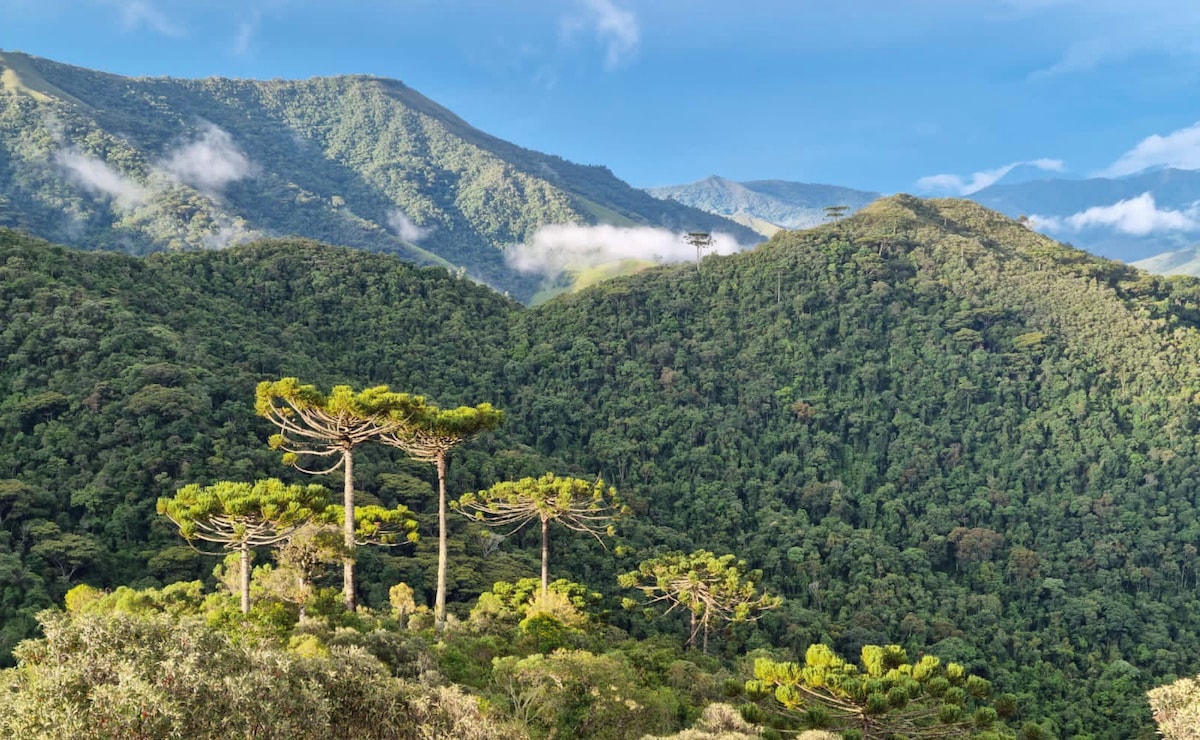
column 313, row 425
column 578, row 505
column 242, row 516
column 428, row 436
column 706, row 585
column 887, row 696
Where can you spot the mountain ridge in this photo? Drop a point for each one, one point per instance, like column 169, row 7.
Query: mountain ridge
column 357, row 160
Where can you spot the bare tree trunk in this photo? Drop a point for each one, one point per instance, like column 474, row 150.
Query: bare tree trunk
column 348, row 530
column 439, row 602
column 545, row 557
column 244, row 578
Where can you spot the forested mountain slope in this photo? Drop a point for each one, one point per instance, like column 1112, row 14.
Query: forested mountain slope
column 927, row 424
column 99, row 161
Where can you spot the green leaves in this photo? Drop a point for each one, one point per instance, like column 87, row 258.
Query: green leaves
column 708, row 586
column 240, row 515
column 887, row 696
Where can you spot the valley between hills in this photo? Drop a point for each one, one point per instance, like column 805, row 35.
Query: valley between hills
column 934, row 474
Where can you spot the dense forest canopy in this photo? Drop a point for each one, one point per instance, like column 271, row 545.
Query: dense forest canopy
column 925, row 424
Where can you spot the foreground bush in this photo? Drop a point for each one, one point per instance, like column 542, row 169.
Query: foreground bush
column 121, row 675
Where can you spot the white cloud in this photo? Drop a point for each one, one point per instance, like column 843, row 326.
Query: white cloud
column 137, row 14
column 1135, row 216
column 558, row 247
column 95, row 176
column 404, row 227
column 959, row 185
column 209, row 162
column 1179, row 149
column 617, row 29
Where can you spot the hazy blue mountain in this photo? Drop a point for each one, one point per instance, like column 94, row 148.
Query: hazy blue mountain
column 100, row 161
column 1116, row 231
column 792, row 205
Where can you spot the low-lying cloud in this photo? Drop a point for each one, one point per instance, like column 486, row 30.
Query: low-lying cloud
column 95, row 176
column 558, row 247
column 1180, row 149
column 403, row 227
column 959, row 185
column 208, row 162
column 1135, row 216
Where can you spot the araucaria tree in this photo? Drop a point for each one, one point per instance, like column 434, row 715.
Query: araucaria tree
column 242, row 516
column 428, row 436
column 706, row 585
column 313, row 425
column 885, row 697
column 578, row 505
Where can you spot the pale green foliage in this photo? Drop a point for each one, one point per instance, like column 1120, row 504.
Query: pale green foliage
column 883, row 696
column 1176, row 709
column 400, row 597
column 707, row 586
column 239, row 515
column 288, row 398
column 125, row 676
column 584, row 506
column 575, row 693
column 378, row 525
column 425, row 429
column 578, row 505
column 722, row 722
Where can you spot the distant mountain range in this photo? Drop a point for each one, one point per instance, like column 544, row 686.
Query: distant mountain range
column 1150, row 219
column 765, row 205
column 99, row 161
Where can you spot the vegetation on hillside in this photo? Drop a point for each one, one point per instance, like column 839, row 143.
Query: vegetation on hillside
column 926, row 425
column 99, row 161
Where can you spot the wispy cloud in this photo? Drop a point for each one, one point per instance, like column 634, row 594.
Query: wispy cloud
column 206, row 163
column 209, row 162
column 244, row 35
column 1097, row 32
column 137, row 14
column 1135, row 216
column 558, row 247
column 615, row 28
column 1179, row 149
column 404, row 227
column 960, row 185
column 95, row 176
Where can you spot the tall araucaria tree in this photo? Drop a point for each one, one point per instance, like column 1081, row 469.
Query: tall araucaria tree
column 313, row 425
column 578, row 505
column 428, row 436
column 708, row 586
column 242, row 516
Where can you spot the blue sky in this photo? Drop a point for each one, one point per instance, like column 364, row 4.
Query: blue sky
column 923, row 96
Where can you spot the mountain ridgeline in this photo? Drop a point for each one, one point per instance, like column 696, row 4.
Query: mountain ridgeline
column 100, row 161
column 925, row 423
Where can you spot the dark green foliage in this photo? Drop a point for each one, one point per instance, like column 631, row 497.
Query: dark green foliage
column 926, row 425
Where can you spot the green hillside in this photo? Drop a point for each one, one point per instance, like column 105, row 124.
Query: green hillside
column 99, row 161
column 926, row 424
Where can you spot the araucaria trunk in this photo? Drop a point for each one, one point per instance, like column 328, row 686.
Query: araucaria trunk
column 348, row 530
